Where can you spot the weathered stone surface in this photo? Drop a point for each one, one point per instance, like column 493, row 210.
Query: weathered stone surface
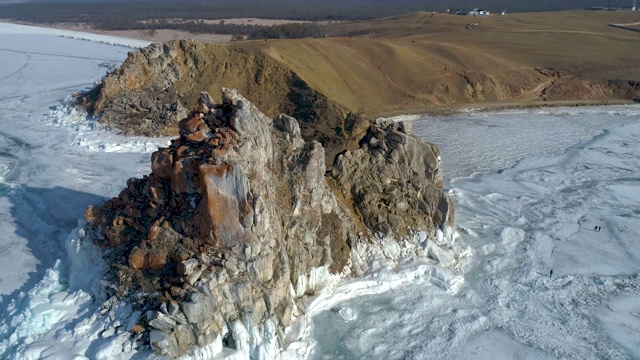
column 395, row 181
column 162, row 322
column 187, row 267
column 185, row 339
column 194, row 129
column 225, row 213
column 138, row 258
column 154, row 231
column 162, row 340
column 161, row 163
column 240, row 222
column 157, row 259
column 184, row 176
column 199, row 309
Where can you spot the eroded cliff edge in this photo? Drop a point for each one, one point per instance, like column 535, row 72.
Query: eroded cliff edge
column 239, row 224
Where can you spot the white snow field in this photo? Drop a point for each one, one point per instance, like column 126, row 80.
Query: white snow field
column 530, row 187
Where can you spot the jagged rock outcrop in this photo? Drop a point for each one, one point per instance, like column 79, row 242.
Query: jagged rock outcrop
column 394, row 180
column 239, row 222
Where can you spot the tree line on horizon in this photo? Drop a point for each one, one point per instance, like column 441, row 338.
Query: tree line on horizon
column 251, row 32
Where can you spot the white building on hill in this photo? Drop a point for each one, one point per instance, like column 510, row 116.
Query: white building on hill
column 479, row 12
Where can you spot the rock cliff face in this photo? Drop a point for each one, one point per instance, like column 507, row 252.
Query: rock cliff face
column 239, row 223
column 394, row 181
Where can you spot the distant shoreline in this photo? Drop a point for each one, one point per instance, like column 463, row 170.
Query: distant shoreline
column 162, row 35
column 497, row 106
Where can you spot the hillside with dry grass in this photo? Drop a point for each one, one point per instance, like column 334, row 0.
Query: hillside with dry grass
column 417, row 63
column 425, row 61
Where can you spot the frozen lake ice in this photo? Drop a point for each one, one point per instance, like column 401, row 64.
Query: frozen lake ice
column 46, row 179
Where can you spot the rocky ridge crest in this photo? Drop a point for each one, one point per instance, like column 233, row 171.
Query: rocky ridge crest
column 240, row 223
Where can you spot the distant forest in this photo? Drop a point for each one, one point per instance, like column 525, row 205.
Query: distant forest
column 157, row 14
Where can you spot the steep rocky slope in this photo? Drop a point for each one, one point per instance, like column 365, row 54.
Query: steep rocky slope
column 239, row 223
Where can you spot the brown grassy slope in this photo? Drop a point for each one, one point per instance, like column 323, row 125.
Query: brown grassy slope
column 415, row 62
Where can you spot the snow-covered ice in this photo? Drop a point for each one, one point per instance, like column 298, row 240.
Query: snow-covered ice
column 493, row 141
column 530, row 186
column 21, row 30
column 47, row 180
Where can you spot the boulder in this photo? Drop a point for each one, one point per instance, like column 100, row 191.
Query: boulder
column 394, row 181
column 161, row 163
column 138, row 258
column 157, row 259
column 187, row 267
column 194, row 129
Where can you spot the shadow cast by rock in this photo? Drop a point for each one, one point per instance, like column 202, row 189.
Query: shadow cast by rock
column 44, row 218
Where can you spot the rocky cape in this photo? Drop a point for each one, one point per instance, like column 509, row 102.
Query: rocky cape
column 240, row 225
column 409, row 64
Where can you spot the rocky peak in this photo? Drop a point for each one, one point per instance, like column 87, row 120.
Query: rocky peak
column 239, row 223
